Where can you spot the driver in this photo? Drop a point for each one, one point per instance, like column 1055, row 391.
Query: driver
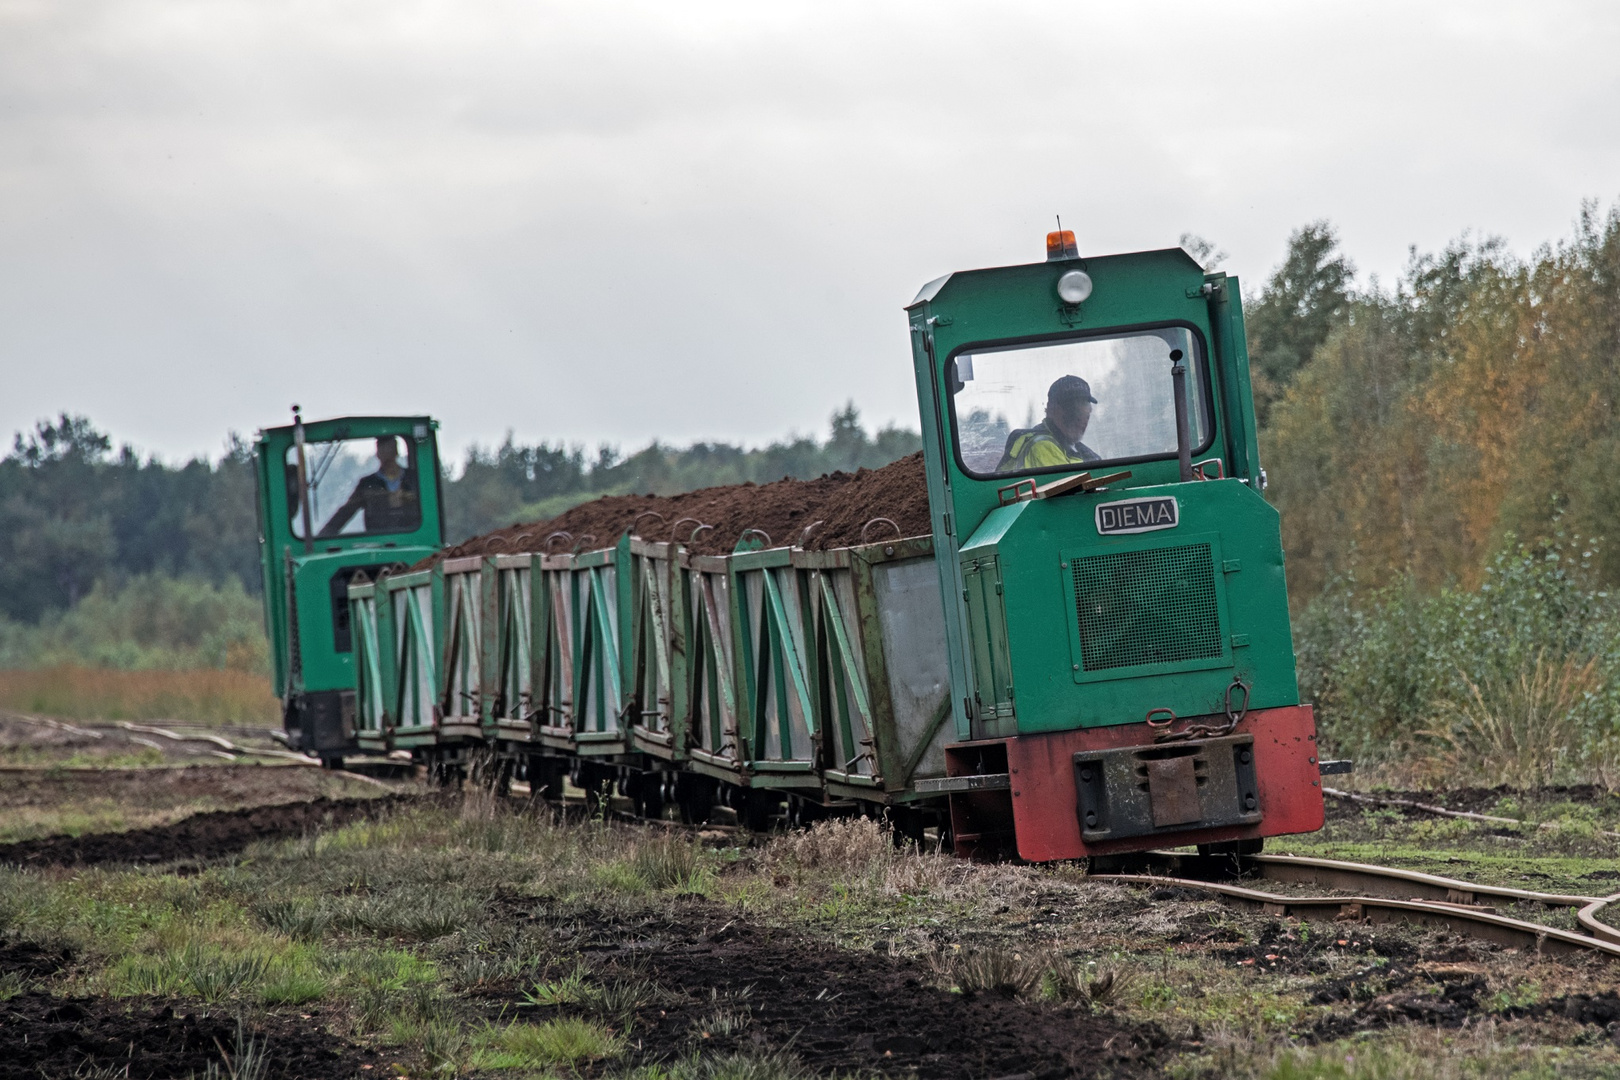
column 1055, row 441
column 388, row 496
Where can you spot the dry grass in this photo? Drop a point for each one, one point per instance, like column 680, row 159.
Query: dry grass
column 854, row 845
column 202, row 695
column 1032, row 973
column 1522, row 730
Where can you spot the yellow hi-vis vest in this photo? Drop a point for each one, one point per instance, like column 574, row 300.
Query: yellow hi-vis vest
column 1037, row 448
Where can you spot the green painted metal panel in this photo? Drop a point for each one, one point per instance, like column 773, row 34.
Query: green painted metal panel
column 313, row 619
column 387, row 654
column 464, row 645
column 489, row 643
column 371, row 711
column 660, row 628
column 416, row 634
column 1152, row 599
column 993, row 696
column 513, row 664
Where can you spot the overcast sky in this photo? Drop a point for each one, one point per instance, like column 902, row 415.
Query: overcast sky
column 611, row 221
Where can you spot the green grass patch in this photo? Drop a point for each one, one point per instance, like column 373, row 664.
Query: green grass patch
column 216, row 973
column 1544, row 873
column 566, row 1041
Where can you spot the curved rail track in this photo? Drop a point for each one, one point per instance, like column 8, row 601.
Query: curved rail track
column 1383, row 894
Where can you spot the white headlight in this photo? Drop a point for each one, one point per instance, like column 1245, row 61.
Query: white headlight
column 1074, row 286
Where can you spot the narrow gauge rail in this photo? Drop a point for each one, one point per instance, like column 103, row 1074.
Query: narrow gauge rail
column 1384, row 894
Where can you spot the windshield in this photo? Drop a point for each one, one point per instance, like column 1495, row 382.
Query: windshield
column 356, row 487
column 1070, row 405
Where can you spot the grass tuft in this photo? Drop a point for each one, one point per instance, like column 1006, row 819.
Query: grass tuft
column 1519, row 729
column 1005, row 971
column 775, row 1065
column 855, row 845
column 666, row 860
column 567, row 1041
column 571, row 989
column 1091, row 985
column 302, row 920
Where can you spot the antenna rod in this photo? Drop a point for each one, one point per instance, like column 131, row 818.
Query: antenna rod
column 303, row 482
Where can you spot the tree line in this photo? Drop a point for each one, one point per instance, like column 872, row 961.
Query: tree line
column 1419, row 430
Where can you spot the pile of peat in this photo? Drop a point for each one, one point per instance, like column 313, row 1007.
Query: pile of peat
column 200, row 836
column 839, row 506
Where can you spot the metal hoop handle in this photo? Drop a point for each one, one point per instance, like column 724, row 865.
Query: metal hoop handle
column 682, row 521
column 757, row 532
column 1234, row 715
column 804, row 533
column 880, row 521
column 636, row 524
column 1161, row 710
column 566, row 537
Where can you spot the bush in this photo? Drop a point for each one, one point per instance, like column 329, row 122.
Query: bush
column 1517, row 681
column 149, row 622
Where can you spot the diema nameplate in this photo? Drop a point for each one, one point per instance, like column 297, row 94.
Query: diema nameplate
column 1137, row 516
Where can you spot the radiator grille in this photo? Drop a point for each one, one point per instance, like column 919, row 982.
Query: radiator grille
column 1147, row 607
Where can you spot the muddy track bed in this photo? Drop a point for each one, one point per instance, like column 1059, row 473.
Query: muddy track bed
column 199, row 837
column 725, row 986
column 43, row 1037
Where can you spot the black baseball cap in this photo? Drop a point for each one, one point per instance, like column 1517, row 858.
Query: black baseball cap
column 1070, row 387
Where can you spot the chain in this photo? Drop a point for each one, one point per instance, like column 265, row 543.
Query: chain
column 1202, row 731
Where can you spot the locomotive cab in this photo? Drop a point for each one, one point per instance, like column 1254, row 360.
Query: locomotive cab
column 339, row 501
column 1116, row 610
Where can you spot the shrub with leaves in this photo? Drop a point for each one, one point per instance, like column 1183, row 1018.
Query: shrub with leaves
column 1516, row 681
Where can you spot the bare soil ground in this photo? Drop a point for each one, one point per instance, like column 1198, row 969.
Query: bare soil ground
column 43, row 1036
column 840, row 1010
column 61, row 778
column 198, row 837
column 806, row 955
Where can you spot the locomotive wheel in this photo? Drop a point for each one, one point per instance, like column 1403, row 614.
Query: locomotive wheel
column 445, row 771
